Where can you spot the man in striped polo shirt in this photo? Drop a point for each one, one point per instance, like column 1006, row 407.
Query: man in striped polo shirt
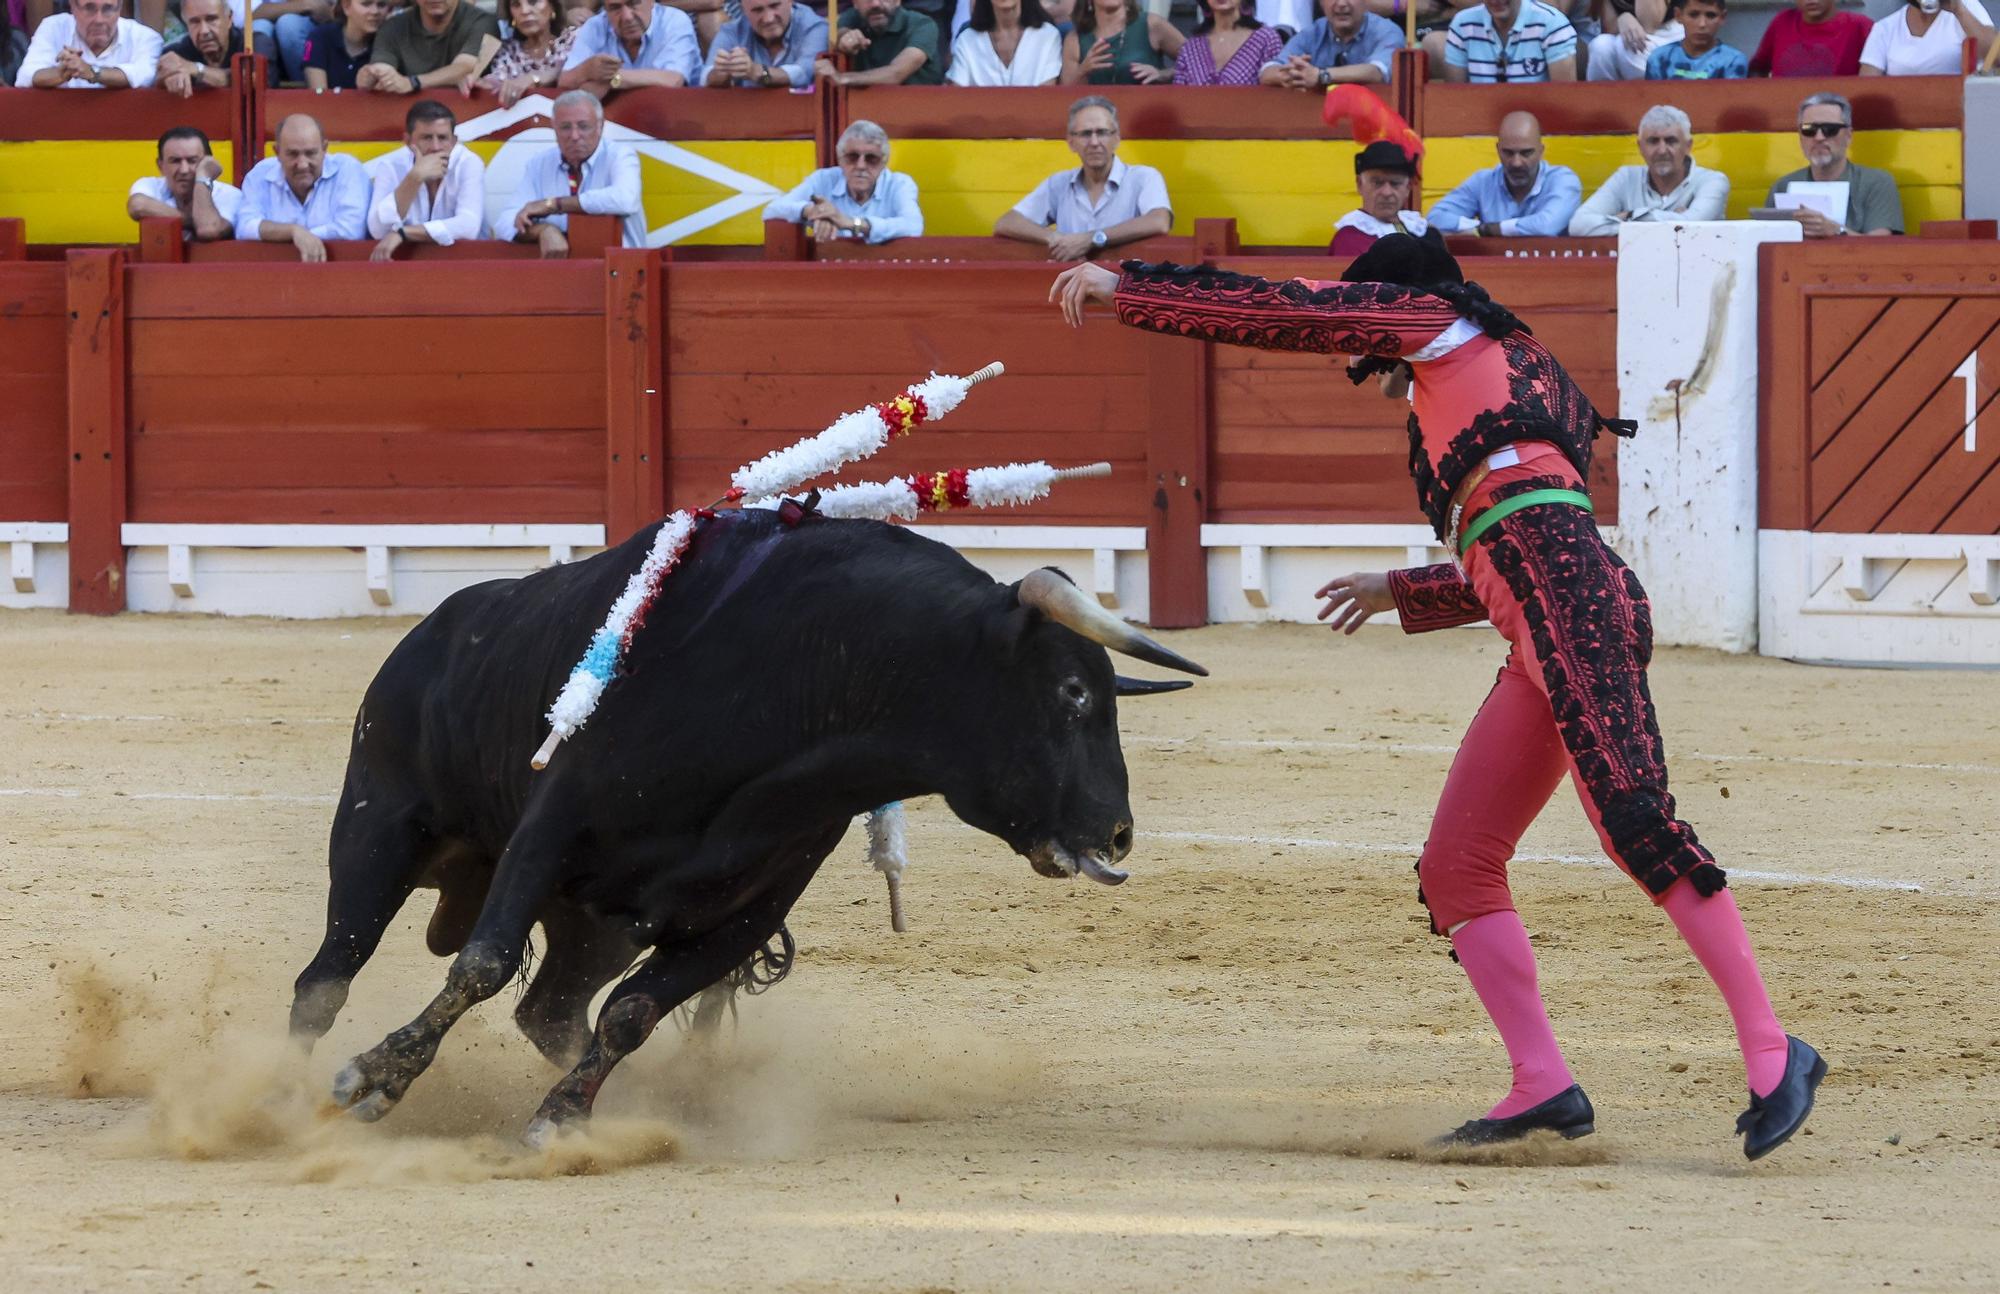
column 1510, row 40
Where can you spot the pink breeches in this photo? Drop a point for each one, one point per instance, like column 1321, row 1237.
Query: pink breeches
column 1571, row 699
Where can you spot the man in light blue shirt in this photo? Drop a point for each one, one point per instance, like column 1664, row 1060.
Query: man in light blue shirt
column 1347, row 44
column 1102, row 204
column 304, row 196
column 632, row 43
column 1525, row 196
column 584, row 174
column 1510, row 41
column 772, row 47
column 861, row 198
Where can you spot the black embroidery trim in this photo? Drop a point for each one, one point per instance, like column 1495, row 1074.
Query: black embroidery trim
column 1592, row 631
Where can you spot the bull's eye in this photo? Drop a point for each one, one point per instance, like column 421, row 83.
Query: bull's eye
column 1076, row 694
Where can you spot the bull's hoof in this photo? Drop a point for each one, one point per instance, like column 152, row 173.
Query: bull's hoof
column 369, row 1086
column 547, row 1127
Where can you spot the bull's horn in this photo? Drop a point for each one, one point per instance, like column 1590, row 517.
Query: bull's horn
column 1150, row 686
column 1050, row 593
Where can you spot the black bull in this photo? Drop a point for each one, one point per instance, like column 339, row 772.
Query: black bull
column 787, row 678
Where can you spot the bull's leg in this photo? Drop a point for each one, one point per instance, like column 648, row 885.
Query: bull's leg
column 373, row 862
column 372, row 1083
column 669, row 977
column 583, row 956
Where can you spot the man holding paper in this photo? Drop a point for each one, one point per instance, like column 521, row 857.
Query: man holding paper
column 1834, row 196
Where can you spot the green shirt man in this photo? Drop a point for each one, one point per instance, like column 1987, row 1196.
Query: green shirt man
column 887, row 44
column 435, row 41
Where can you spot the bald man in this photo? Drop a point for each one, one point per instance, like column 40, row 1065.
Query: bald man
column 304, row 195
column 1525, row 196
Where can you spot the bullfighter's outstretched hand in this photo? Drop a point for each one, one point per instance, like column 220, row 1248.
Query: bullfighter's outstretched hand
column 1078, row 286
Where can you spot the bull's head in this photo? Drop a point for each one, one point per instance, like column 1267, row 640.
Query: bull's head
column 1054, row 785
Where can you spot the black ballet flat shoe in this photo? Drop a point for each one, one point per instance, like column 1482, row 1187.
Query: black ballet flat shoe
column 1771, row 1120
column 1567, row 1113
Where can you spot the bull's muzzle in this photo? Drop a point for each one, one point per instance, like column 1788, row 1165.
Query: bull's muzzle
column 1099, row 863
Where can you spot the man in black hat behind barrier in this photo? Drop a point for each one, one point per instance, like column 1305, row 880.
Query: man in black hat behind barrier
column 1386, row 178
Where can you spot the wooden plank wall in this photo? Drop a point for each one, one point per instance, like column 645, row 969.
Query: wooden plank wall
column 760, row 355
column 1295, row 441
column 1864, row 398
column 367, row 393
column 34, row 417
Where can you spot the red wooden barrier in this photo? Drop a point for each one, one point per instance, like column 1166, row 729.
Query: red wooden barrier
column 635, row 392
column 34, row 367
column 96, row 431
column 1869, row 365
column 367, row 393
column 13, row 239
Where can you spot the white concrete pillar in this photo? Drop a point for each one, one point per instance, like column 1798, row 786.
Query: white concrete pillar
column 1687, row 373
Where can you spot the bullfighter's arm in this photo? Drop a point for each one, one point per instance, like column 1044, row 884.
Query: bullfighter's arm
column 1434, row 597
column 1380, row 319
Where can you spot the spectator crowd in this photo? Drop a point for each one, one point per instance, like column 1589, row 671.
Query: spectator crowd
column 509, row 47
column 432, row 189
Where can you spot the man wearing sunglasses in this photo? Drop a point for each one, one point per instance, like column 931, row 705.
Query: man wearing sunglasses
column 1874, row 206
column 861, row 198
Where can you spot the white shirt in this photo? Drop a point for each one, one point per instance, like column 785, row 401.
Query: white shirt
column 1412, row 223
column 134, row 50
column 1296, row 14
column 228, row 198
column 1037, row 59
column 610, row 187
column 1702, row 195
column 1891, row 48
column 1063, row 201
column 335, row 207
column 458, row 211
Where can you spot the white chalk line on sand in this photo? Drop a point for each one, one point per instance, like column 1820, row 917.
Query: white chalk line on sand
column 1137, row 739
column 193, row 721
column 1410, row 851
column 1423, row 748
column 218, row 797
column 1401, row 850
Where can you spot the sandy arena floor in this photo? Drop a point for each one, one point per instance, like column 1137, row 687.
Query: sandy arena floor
column 1218, row 1077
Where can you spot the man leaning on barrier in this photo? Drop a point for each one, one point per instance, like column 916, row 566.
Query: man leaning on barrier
column 584, row 174
column 861, row 198
column 188, row 188
column 1669, row 186
column 90, row 48
column 304, row 195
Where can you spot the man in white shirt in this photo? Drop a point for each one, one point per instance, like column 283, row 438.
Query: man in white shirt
column 1078, row 214
column 861, row 198
column 584, row 174
column 90, row 48
column 1668, row 187
column 187, row 189
column 431, row 190
column 630, row 44
column 304, row 195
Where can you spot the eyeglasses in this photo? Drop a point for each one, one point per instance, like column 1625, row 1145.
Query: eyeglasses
column 1824, row 129
column 1097, row 132
column 868, row 159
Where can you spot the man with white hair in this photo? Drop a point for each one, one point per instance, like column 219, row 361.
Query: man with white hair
column 1669, row 186
column 584, row 174
column 90, row 48
column 861, row 198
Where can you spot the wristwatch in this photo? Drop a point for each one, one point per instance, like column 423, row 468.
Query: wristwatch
column 862, row 228
column 1325, row 77
column 1098, row 239
column 616, row 78
column 207, row 182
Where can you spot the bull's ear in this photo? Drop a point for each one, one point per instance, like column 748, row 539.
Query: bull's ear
column 1150, row 686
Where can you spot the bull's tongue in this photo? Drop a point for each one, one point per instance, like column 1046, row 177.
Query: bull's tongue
column 1093, row 866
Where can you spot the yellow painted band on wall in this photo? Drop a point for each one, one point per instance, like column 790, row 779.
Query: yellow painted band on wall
column 73, row 190
column 1282, row 192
